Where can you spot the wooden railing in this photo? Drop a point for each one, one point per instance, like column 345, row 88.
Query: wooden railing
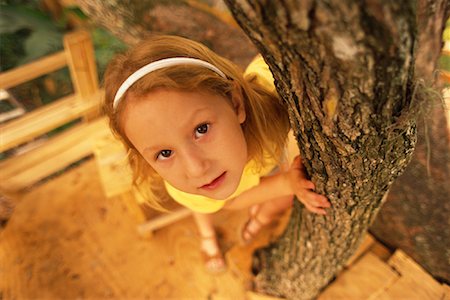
column 56, row 153
column 91, row 136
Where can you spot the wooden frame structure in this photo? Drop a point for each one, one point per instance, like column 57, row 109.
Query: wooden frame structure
column 91, row 136
column 23, row 170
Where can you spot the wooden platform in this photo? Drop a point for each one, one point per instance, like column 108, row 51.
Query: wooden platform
column 65, row 240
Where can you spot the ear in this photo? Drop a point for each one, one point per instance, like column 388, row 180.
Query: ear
column 237, row 100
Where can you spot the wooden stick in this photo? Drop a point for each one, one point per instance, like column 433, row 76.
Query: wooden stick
column 55, row 154
column 32, row 70
column 46, row 118
column 164, row 220
column 81, row 62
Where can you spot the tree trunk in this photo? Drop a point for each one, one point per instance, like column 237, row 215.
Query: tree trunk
column 345, row 70
column 415, row 215
column 346, row 73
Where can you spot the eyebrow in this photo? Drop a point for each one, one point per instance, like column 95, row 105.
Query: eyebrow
column 190, row 121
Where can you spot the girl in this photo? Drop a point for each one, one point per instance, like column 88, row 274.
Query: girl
column 196, row 129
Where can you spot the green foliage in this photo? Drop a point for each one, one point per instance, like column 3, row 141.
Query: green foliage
column 444, row 63
column 11, row 49
column 30, row 3
column 26, row 34
column 106, row 46
column 67, row 11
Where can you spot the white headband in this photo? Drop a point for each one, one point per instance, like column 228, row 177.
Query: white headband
column 159, row 64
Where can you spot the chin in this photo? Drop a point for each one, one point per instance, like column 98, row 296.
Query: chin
column 226, row 192
column 223, row 197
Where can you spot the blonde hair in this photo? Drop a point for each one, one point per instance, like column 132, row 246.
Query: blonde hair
column 266, row 125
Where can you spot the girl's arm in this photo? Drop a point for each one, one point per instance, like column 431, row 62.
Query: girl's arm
column 290, row 182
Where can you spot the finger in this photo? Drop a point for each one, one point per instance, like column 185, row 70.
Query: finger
column 314, row 199
column 310, row 185
column 297, row 162
column 323, row 200
column 316, row 210
column 319, row 200
column 303, row 183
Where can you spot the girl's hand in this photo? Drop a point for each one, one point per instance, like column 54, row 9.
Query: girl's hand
column 303, row 188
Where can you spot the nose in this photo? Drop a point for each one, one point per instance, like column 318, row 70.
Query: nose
column 195, row 162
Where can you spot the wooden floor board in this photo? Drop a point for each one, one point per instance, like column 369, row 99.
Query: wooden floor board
column 406, row 288
column 66, row 240
column 414, row 283
column 369, row 275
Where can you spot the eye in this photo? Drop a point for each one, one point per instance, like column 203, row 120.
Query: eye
column 201, row 130
column 164, row 154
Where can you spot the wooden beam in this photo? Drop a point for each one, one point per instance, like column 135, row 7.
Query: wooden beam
column 250, row 295
column 46, row 118
column 81, row 61
column 366, row 244
column 113, row 167
column 415, row 280
column 365, row 279
column 164, row 220
column 32, row 70
column 24, row 170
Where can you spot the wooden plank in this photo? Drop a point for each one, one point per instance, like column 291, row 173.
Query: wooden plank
column 48, row 117
column 59, row 152
column 32, row 70
column 366, row 277
column 415, row 277
column 446, row 96
column 164, row 220
column 112, row 162
column 363, row 248
column 257, row 296
column 407, row 288
column 381, row 251
column 446, row 290
column 81, row 62
column 67, row 241
column 16, row 112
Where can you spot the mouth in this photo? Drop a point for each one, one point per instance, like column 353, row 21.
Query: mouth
column 215, row 183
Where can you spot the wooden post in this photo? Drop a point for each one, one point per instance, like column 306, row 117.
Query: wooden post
column 81, row 62
column 111, row 157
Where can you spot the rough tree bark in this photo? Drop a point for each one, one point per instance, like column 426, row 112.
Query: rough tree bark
column 345, row 70
column 346, row 73
column 415, row 215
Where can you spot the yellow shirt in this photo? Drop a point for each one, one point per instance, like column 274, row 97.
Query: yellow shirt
column 264, row 77
column 250, row 176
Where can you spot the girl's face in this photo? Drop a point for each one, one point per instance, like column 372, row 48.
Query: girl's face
column 192, row 140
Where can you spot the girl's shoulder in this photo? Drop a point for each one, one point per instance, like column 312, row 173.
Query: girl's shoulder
column 261, row 71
